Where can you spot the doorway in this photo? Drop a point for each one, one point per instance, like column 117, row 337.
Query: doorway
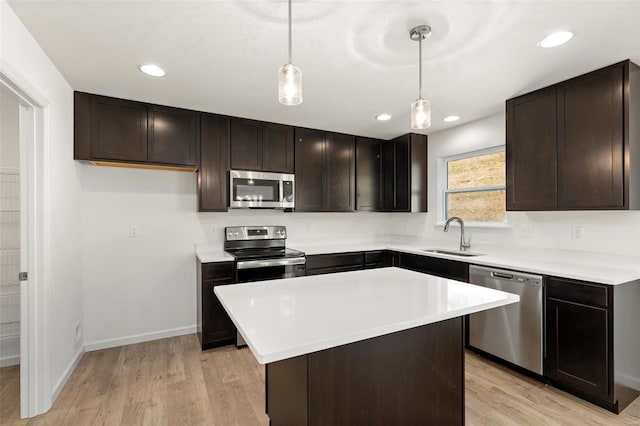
column 10, row 242
column 24, row 306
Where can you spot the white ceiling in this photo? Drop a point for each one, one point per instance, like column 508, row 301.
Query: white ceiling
column 356, row 56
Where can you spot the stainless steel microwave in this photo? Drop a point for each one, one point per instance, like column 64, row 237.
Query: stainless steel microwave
column 249, row 189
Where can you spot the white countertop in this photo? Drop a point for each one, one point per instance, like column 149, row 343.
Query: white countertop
column 209, row 255
column 282, row 319
column 594, row 267
column 599, row 268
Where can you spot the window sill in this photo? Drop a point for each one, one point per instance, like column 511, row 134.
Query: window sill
column 487, row 225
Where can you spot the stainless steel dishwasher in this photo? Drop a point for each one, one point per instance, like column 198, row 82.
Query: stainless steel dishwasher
column 513, row 332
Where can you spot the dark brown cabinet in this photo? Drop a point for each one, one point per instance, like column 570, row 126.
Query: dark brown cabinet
column 325, row 171
column 571, row 146
column 351, row 261
column 404, row 174
column 334, row 262
column 215, row 328
column 378, row 259
column 213, row 188
column 368, row 174
column 531, row 152
column 277, row 148
column 435, row 266
column 118, row 130
column 173, row 135
column 579, row 336
column 256, row 145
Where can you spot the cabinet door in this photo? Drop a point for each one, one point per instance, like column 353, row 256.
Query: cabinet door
column 577, row 346
column 435, row 266
column 418, row 189
column 173, row 136
column 590, row 141
column 368, row 174
column 246, row 144
column 309, row 154
column 118, row 130
column 339, row 172
column 217, row 327
column 277, row 148
column 531, row 152
column 214, row 163
column 396, row 174
column 334, row 262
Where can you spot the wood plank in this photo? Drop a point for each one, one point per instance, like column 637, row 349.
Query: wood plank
column 225, row 386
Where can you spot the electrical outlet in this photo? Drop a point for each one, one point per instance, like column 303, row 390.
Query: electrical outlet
column 134, row 231
column 577, row 232
column 524, row 232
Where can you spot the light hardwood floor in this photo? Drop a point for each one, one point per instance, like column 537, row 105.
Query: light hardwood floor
column 171, row 382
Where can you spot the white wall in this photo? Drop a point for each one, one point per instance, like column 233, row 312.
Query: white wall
column 613, row 232
column 21, row 54
column 142, row 288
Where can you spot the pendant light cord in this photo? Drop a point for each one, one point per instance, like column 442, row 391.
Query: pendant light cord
column 290, row 43
column 420, row 67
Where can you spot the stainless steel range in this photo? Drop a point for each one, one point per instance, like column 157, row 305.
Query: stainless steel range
column 261, row 254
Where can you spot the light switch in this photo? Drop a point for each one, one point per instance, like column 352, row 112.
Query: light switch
column 134, row 231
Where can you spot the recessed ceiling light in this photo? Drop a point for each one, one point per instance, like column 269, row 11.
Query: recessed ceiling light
column 451, row 118
column 152, row 70
column 383, row 117
column 556, row 39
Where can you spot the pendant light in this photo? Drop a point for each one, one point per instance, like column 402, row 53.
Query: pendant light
column 290, row 78
column 420, row 108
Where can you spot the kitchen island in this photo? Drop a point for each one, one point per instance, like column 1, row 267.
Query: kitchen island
column 382, row 346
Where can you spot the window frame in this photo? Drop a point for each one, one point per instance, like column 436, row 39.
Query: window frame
column 443, row 180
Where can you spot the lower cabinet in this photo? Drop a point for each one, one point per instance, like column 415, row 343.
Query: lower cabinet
column 351, row 261
column 215, row 328
column 335, row 262
column 579, row 352
column 434, row 266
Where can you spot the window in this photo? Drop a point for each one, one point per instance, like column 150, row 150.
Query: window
column 473, row 186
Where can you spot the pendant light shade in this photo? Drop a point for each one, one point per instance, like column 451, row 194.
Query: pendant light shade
column 420, row 114
column 290, row 85
column 420, row 108
column 290, row 78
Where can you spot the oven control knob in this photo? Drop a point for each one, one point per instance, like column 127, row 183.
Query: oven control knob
column 235, row 234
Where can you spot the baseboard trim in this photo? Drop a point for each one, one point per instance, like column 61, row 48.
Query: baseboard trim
column 139, row 338
column 8, row 361
column 65, row 377
column 628, row 381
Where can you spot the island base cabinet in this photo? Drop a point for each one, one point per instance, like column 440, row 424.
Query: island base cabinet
column 412, row 377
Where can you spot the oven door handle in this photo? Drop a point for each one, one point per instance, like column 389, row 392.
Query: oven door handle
column 253, row 264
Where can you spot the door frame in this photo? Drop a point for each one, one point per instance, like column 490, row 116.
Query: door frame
column 35, row 295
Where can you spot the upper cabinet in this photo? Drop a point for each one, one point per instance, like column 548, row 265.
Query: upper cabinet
column 173, row 135
column 213, row 188
column 368, row 174
column 325, row 171
column 121, row 131
column 404, row 174
column 256, row 145
column 572, row 146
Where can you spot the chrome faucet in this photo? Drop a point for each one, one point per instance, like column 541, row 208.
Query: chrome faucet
column 464, row 244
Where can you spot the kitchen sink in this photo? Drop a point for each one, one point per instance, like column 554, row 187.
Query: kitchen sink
column 453, row 252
